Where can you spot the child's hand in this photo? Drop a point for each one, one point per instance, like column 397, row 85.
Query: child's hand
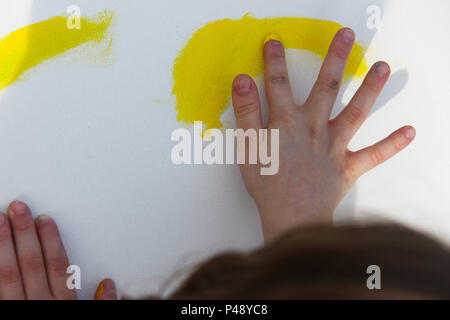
column 316, row 168
column 33, row 261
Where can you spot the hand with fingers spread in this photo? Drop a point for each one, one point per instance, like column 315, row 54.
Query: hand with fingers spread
column 33, row 261
column 316, row 169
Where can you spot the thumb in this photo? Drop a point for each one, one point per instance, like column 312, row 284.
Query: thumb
column 106, row 290
column 246, row 104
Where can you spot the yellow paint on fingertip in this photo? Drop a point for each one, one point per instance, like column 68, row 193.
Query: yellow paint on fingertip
column 205, row 68
column 100, row 290
column 30, row 46
column 272, row 36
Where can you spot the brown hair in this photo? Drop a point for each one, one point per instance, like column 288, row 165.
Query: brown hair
column 328, row 263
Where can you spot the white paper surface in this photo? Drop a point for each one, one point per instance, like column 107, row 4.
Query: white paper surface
column 90, row 145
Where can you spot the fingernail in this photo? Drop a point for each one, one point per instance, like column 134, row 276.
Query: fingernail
column 109, row 285
column 410, row 133
column 276, row 39
column 99, row 291
column 381, row 69
column 348, row 35
column 19, row 208
column 243, row 84
column 2, row 219
column 43, row 218
column 274, row 42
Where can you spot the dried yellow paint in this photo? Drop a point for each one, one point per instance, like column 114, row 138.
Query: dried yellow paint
column 205, row 68
column 29, row 46
column 99, row 291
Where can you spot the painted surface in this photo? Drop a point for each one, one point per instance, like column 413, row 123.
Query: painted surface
column 205, row 68
column 30, row 46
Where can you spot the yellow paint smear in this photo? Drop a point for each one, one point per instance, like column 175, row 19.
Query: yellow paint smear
column 29, row 46
column 99, row 291
column 204, row 70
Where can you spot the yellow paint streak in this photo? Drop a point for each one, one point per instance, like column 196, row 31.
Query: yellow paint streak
column 99, row 291
column 29, row 46
column 204, row 70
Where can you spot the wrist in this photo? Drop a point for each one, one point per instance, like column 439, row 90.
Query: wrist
column 276, row 220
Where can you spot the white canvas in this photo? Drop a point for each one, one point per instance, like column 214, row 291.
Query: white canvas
column 90, row 145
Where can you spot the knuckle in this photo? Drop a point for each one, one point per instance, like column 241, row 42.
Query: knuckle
column 5, row 236
column 246, row 109
column 58, row 266
column 350, row 177
column 289, row 122
column 24, row 225
column 329, row 85
column 313, row 133
column 376, row 156
column 48, row 232
column 32, row 264
column 275, row 51
column 9, row 275
column 278, row 78
column 397, row 142
column 355, row 116
column 315, row 130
